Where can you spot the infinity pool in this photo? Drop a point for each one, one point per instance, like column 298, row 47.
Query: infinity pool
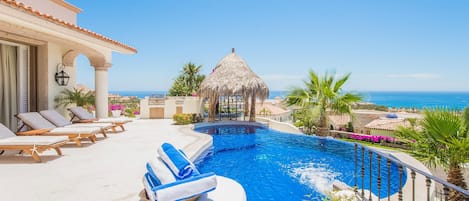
column 272, row 165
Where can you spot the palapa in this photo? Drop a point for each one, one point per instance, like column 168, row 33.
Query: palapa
column 233, row 77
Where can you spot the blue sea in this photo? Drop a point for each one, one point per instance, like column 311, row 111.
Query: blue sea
column 418, row 100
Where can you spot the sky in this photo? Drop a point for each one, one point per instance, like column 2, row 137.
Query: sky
column 387, row 45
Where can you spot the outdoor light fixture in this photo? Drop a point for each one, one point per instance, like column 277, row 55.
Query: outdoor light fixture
column 61, row 77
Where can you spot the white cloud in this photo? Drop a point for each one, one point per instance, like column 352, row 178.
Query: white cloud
column 423, row 76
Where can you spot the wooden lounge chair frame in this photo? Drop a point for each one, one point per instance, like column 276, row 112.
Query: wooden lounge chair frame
column 34, row 150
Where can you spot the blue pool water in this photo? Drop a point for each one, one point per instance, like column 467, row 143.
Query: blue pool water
column 272, row 165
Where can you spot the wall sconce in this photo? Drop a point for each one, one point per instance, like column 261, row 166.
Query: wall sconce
column 61, row 77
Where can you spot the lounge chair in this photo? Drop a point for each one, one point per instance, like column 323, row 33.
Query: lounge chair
column 84, row 116
column 32, row 145
column 58, row 120
column 75, row 134
column 172, row 176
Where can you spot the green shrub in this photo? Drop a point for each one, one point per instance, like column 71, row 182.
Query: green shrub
column 182, row 119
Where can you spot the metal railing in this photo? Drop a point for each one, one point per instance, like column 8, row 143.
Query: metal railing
column 412, row 192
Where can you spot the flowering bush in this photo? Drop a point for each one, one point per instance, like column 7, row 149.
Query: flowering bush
column 372, row 138
column 136, row 112
column 116, row 107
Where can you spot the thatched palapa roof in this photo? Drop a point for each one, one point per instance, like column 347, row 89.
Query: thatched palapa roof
column 232, row 76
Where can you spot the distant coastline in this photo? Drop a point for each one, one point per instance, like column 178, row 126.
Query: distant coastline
column 392, row 99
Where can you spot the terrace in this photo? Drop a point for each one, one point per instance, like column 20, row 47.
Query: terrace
column 112, row 168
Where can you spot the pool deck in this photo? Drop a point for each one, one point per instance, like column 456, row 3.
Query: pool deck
column 110, row 169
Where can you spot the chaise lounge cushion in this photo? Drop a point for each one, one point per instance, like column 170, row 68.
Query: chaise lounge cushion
column 55, row 118
column 58, row 120
column 35, row 121
column 181, row 189
column 9, row 138
column 81, row 113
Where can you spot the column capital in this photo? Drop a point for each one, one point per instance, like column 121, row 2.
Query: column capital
column 103, row 67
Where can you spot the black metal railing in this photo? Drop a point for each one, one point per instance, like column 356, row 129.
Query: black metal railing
column 440, row 191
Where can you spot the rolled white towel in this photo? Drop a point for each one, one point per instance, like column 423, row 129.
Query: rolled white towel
column 176, row 161
column 158, row 170
column 181, row 189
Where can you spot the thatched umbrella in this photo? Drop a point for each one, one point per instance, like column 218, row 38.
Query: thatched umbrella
column 233, row 77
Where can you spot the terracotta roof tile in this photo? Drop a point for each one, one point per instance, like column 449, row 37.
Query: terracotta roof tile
column 50, row 18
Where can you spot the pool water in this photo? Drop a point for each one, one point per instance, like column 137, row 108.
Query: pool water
column 272, row 165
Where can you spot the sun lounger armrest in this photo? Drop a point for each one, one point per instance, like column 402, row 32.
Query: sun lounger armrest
column 33, row 132
column 182, row 189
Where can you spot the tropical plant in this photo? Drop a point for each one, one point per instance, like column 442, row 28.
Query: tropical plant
column 188, row 82
column 324, row 93
column 74, row 96
column 307, row 118
column 442, row 139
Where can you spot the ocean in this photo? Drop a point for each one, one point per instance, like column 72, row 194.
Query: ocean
column 418, row 100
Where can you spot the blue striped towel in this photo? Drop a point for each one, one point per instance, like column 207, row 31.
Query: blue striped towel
column 176, row 161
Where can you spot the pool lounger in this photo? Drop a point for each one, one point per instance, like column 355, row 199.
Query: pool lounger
column 58, row 120
column 84, row 116
column 32, row 145
column 75, row 134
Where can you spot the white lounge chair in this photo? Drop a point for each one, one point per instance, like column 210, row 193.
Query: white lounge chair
column 37, row 122
column 32, row 145
column 84, row 116
column 58, row 120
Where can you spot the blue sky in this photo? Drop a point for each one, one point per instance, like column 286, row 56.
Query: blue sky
column 386, row 45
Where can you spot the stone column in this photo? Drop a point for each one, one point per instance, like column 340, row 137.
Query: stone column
column 101, row 89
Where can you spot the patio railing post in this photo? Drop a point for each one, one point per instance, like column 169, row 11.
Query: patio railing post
column 356, row 169
column 371, row 174
column 363, row 172
column 428, row 181
column 400, row 182
column 379, row 176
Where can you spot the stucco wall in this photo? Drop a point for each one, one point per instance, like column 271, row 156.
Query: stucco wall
column 188, row 104
column 382, row 132
column 192, row 105
column 54, row 57
column 52, row 8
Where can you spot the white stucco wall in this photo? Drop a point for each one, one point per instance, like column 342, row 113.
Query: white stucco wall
column 192, row 105
column 189, row 105
column 382, row 132
column 54, row 54
column 52, row 8
column 169, row 108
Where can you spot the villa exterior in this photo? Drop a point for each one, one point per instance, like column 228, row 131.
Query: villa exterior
column 39, row 38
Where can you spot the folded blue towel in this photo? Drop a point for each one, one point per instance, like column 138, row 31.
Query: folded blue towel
column 176, row 161
column 181, row 189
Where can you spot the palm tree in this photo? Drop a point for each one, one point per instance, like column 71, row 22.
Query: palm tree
column 325, row 93
column 76, row 96
column 442, row 140
column 192, row 77
column 188, row 81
